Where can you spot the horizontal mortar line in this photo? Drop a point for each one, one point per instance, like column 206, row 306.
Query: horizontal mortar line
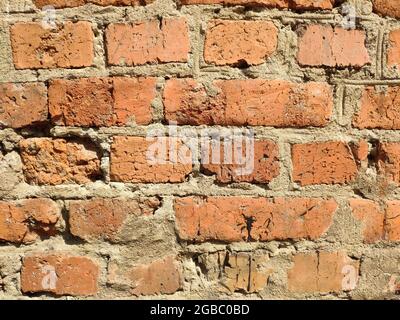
column 365, row 82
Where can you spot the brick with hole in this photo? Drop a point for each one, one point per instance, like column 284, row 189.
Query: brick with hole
column 232, row 219
column 102, row 219
column 148, row 42
column 160, row 276
column 22, row 104
column 59, row 4
column 150, row 160
column 387, row 8
column 239, row 43
column 101, row 102
column 59, row 274
column 241, row 160
column 281, row 4
column 254, row 102
column 321, row 45
column 26, row 221
column 49, row 161
column 70, row 45
column 329, row 162
column 323, row 272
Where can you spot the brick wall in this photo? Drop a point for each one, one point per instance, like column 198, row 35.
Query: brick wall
column 84, row 213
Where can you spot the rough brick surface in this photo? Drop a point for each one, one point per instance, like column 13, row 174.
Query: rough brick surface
column 323, row 272
column 239, row 42
column 293, row 4
column 232, row 219
column 27, row 220
column 148, row 42
column 103, row 218
column 387, row 8
column 22, row 104
column 76, row 3
column 101, row 101
column 135, row 159
column 36, row 47
column 57, row 161
column 323, row 163
column 59, row 274
column 388, row 160
column 332, row 47
column 249, row 102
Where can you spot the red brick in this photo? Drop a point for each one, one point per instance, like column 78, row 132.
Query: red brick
column 57, row 161
column 101, row 101
column 387, row 8
column 323, row 272
column 76, row 3
column 141, row 160
column 22, row 104
column 372, row 219
column 26, row 220
column 388, row 160
column 332, row 47
column 237, row 42
column 148, row 42
column 378, row 109
column 393, row 54
column 232, row 219
column 59, row 274
column 69, row 46
column 103, row 218
column 252, row 102
column 292, row 4
column 259, row 162
column 329, row 162
column 162, row 276
column 392, row 222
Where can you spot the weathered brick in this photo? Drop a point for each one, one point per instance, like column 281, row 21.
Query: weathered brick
column 137, row 159
column 101, row 101
column 26, row 220
column 76, row 3
column 240, row 42
column 57, row 161
column 59, row 274
column 232, row 219
column 332, row 47
column 392, row 222
column 22, row 104
column 323, row 272
column 99, row 219
column 387, row 8
column 255, row 102
column 372, row 219
column 148, row 42
column 162, row 276
column 388, row 160
column 292, row 4
column 329, row 162
column 393, row 53
column 70, row 45
column 258, row 161
column 378, row 109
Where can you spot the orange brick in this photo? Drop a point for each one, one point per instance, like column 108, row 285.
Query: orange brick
column 22, row 104
column 332, row 47
column 240, row 42
column 57, row 161
column 392, row 222
column 232, row 219
column 258, row 162
column 148, row 42
column 103, row 218
column 255, row 102
column 141, row 160
column 387, row 8
column 101, row 101
column 393, row 54
column 329, row 162
column 26, row 220
column 388, row 160
column 69, row 46
column 323, row 272
column 378, row 109
column 59, row 274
